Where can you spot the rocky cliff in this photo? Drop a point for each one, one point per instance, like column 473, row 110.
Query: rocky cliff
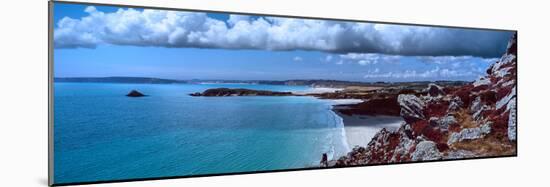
column 473, row 120
column 221, row 92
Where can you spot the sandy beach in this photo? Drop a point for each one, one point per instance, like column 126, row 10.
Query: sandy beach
column 345, row 101
column 361, row 128
column 318, row 90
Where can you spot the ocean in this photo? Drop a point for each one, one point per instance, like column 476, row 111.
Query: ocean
column 100, row 134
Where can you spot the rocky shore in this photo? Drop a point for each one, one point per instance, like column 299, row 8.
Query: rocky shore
column 372, row 100
column 467, row 121
column 440, row 120
column 224, row 92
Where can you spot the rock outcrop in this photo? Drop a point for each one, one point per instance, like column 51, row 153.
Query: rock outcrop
column 135, row 93
column 469, row 134
column 386, row 105
column 412, row 107
column 222, row 92
column 426, row 150
column 473, row 120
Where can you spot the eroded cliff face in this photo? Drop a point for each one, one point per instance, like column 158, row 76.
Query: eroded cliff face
column 474, row 120
column 225, row 92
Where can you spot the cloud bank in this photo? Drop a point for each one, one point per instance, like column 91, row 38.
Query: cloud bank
column 432, row 73
column 424, row 67
column 176, row 29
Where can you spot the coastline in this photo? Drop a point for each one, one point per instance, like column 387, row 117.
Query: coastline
column 360, row 129
column 360, row 117
column 318, row 90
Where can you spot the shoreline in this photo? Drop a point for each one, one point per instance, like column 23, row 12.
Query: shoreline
column 317, row 90
column 360, row 129
column 361, row 118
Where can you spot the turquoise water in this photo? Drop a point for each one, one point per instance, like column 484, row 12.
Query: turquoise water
column 99, row 134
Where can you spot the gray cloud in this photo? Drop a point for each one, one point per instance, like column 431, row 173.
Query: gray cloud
column 189, row 29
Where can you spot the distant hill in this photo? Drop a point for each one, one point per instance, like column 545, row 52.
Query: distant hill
column 342, row 84
column 311, row 82
column 136, row 80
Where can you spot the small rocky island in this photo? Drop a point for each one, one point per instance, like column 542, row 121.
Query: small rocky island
column 221, row 92
column 135, row 93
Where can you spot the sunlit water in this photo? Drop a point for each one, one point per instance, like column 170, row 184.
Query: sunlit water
column 100, row 134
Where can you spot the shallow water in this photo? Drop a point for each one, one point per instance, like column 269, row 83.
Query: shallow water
column 99, row 134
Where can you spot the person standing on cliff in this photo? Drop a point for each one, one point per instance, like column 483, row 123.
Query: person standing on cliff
column 324, row 160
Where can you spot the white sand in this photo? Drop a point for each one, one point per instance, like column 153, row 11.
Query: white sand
column 360, row 129
column 318, row 90
column 345, row 101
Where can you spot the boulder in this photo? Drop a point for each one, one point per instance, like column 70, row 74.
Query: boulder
column 455, row 104
column 476, row 105
column 135, row 93
column 470, row 133
column 477, row 108
column 504, row 101
column 426, row 150
column 411, row 107
column 442, row 123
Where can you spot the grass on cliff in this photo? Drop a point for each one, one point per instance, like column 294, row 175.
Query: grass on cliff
column 487, row 146
column 465, row 120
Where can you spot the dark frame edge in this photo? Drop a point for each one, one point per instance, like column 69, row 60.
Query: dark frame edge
column 51, row 181
column 517, row 90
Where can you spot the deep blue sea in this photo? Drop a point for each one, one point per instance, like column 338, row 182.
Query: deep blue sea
column 100, row 134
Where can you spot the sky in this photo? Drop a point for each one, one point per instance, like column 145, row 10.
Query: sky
column 101, row 41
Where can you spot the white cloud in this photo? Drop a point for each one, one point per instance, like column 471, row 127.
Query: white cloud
column 189, row 29
column 456, row 64
column 446, row 59
column 370, row 58
column 363, row 62
column 90, row 9
column 297, row 59
column 235, row 18
column 437, row 73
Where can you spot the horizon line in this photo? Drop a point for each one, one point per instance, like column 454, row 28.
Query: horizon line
column 250, row 80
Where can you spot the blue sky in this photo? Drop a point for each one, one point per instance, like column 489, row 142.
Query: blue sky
column 103, row 41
